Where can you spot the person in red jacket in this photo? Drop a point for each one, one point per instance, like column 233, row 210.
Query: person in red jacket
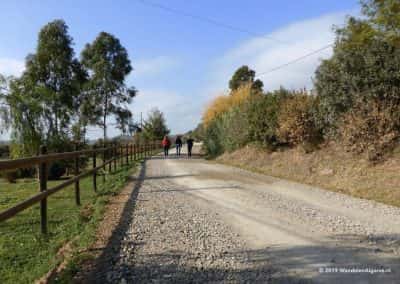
column 166, row 143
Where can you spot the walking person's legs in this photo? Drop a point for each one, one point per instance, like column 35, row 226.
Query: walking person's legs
column 165, row 151
column 189, row 151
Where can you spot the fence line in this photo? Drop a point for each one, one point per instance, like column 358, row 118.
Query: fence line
column 118, row 153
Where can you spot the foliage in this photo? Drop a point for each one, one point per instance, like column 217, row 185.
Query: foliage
column 108, row 64
column 213, row 140
column 364, row 65
column 223, row 104
column 296, row 120
column 245, row 76
column 25, row 254
column 262, row 112
column 155, row 127
column 372, row 127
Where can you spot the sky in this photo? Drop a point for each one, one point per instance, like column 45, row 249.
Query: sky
column 183, row 59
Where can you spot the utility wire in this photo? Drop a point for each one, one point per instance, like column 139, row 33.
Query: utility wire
column 208, row 20
column 295, row 60
column 237, row 29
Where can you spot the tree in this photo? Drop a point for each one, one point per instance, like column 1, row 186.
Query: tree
column 365, row 63
column 108, row 64
column 4, row 107
column 155, row 127
column 244, row 75
column 124, row 121
column 53, row 68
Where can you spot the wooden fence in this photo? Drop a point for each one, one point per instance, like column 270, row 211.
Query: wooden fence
column 122, row 154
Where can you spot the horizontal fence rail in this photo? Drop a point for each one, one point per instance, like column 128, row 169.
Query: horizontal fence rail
column 122, row 154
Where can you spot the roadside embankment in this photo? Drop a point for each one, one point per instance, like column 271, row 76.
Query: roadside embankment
column 328, row 167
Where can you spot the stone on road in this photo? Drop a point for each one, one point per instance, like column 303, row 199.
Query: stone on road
column 194, row 221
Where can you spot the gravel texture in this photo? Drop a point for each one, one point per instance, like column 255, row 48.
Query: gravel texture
column 170, row 237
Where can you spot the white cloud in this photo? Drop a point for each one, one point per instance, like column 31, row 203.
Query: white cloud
column 154, row 66
column 262, row 54
column 10, row 66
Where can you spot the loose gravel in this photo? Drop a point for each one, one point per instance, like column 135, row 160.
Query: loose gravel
column 172, row 238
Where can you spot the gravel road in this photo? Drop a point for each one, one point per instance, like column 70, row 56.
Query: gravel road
column 193, row 221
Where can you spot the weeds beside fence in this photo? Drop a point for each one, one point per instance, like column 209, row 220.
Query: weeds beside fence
column 111, row 156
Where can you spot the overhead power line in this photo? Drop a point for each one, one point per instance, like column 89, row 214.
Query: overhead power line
column 237, row 29
column 208, row 20
column 296, row 60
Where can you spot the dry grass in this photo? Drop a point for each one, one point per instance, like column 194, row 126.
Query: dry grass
column 330, row 168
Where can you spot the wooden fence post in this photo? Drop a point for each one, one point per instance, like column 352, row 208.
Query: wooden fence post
column 109, row 156
column 94, row 166
column 131, row 151
column 43, row 187
column 127, row 154
column 121, row 149
column 115, row 156
column 104, row 160
column 77, row 189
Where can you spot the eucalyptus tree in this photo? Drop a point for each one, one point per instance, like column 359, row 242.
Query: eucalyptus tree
column 108, row 65
column 54, row 68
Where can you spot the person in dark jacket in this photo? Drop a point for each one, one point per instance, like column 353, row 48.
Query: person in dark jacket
column 178, row 144
column 166, row 144
column 189, row 142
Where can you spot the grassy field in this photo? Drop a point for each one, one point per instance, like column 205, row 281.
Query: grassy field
column 25, row 254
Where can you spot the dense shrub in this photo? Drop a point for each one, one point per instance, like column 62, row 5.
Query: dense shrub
column 262, row 115
column 296, row 121
column 371, row 127
column 4, row 151
column 10, row 176
column 213, row 140
column 223, row 104
column 57, row 169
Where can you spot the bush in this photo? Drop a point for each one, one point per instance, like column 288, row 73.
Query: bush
column 262, row 112
column 234, row 128
column 56, row 170
column 296, row 121
column 223, row 104
column 10, row 176
column 4, row 151
column 371, row 127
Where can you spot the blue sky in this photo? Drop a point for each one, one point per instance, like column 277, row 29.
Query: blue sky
column 181, row 63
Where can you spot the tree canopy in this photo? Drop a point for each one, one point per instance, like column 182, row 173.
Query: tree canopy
column 108, row 65
column 243, row 76
column 155, row 127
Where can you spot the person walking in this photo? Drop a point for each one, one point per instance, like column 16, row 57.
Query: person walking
column 189, row 142
column 178, row 144
column 166, row 144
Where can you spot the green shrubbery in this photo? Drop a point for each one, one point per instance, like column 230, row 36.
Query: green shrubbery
column 356, row 100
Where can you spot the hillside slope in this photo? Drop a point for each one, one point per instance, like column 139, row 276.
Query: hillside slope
column 329, row 167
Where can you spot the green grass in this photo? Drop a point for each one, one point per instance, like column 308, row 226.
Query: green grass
column 26, row 254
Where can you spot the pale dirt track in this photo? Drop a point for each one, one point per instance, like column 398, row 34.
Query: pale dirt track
column 275, row 230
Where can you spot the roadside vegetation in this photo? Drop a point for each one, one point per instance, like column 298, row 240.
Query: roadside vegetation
column 53, row 102
column 26, row 254
column 354, row 107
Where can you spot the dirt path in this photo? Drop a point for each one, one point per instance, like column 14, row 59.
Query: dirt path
column 196, row 221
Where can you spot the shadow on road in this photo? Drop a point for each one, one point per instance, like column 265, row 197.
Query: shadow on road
column 276, row 264
column 288, row 263
column 108, row 257
column 176, row 157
